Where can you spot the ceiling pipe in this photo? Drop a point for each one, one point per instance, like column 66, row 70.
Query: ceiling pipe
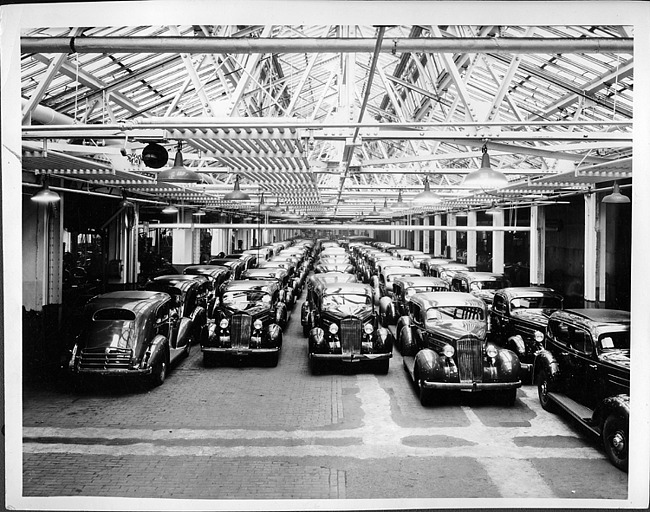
column 376, row 227
column 322, row 45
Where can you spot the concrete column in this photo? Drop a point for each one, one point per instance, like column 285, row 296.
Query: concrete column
column 437, row 235
column 451, row 235
column 122, row 247
column 182, row 242
column 592, row 255
column 537, row 245
column 471, row 240
column 417, row 244
column 498, row 245
column 425, row 239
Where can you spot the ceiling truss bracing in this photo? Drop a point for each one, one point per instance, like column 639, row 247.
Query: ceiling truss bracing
column 330, row 121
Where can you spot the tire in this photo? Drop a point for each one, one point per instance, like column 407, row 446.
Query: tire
column 382, row 366
column 509, row 397
column 616, row 441
column 315, row 366
column 188, row 347
column 209, row 360
column 305, row 330
column 543, row 388
column 159, row 372
column 427, row 396
column 272, row 361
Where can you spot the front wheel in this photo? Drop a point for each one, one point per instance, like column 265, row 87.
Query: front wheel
column 616, row 441
column 159, row 372
column 427, row 396
column 543, row 390
column 509, row 397
column 382, row 366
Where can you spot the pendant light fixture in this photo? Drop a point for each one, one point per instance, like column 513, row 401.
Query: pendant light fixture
column 263, row 207
column 178, row 173
column 485, row 178
column 427, row 198
column 236, row 194
column 493, row 210
column 385, row 210
column 400, row 204
column 615, row 197
column 170, row 208
column 45, row 195
column 199, row 213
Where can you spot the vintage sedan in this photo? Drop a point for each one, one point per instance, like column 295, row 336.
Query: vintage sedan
column 585, row 372
column 307, row 310
column 447, row 271
column 443, row 341
column 190, row 294
column 518, row 320
column 429, row 264
column 345, row 328
column 130, row 333
column 383, row 283
column 236, row 266
column 278, row 275
column 216, row 274
column 394, row 306
column 480, row 284
column 249, row 321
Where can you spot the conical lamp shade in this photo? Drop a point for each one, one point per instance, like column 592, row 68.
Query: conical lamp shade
column 615, row 197
column 427, row 197
column 485, row 178
column 236, row 194
column 45, row 195
column 263, row 206
column 400, row 202
column 178, row 173
column 385, row 210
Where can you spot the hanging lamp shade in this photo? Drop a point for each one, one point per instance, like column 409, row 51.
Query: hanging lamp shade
column 426, row 197
column 461, row 213
column 493, row 210
column 485, row 178
column 170, row 209
column 199, row 213
column 615, row 197
column 400, row 204
column 237, row 194
column 385, row 210
column 178, row 173
column 46, row 195
column 374, row 211
column 263, row 206
column 154, row 155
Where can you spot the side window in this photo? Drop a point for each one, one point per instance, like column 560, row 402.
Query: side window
column 463, row 286
column 498, row 304
column 560, row 332
column 455, row 284
column 415, row 312
column 580, row 341
column 162, row 319
column 397, row 289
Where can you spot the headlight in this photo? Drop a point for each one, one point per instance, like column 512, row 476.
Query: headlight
column 334, row 328
column 539, row 337
column 224, row 323
column 448, row 350
column 257, row 324
column 368, row 328
column 491, row 351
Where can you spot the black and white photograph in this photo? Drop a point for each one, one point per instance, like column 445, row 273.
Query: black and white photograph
column 325, row 254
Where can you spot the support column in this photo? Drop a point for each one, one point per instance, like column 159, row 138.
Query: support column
column 122, row 248
column 437, row 235
column 592, row 253
column 425, row 238
column 451, row 235
column 471, row 240
column 537, row 245
column 417, row 244
column 498, row 241
column 182, row 242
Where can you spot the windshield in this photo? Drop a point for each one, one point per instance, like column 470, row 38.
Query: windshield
column 497, row 284
column 243, row 298
column 454, row 314
column 617, row 340
column 418, row 289
column 333, row 301
column 541, row 302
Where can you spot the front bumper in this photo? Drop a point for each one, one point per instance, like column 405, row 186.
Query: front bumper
column 239, row 351
column 351, row 358
column 471, row 386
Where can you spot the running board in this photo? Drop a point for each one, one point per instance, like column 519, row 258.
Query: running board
column 409, row 365
column 578, row 411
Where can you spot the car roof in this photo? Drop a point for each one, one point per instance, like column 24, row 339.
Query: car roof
column 263, row 271
column 133, row 300
column 344, row 288
column 250, row 284
column 595, row 316
column 334, row 277
column 436, row 299
column 207, row 268
column 482, row 276
column 527, row 291
column 421, row 281
column 390, row 270
column 171, row 281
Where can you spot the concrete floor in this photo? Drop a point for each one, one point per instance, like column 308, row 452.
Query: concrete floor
column 244, row 432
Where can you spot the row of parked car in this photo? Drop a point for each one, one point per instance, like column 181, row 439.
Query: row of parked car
column 461, row 330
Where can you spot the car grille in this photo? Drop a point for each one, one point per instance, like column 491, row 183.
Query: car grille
column 105, row 358
column 240, row 331
column 351, row 335
column 470, row 359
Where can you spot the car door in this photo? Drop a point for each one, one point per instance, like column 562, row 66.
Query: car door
column 561, row 334
column 420, row 336
column 499, row 321
column 584, row 366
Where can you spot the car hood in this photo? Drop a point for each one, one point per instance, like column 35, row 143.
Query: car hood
column 536, row 317
column 486, row 295
column 457, row 329
column 250, row 309
column 340, row 312
column 617, row 357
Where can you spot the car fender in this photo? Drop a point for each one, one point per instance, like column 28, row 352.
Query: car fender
column 516, row 342
column 157, row 349
column 618, row 405
column 304, row 313
column 383, row 340
column 427, row 366
column 402, row 321
column 316, row 339
column 281, row 314
column 386, row 309
column 274, row 332
column 508, row 365
column 185, row 330
column 546, row 361
column 199, row 315
column 407, row 344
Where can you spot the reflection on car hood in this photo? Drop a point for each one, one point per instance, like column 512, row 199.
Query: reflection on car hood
column 361, row 311
column 533, row 316
column 617, row 357
column 247, row 307
column 486, row 295
column 458, row 328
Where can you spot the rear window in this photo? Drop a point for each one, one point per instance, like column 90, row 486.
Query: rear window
column 114, row 314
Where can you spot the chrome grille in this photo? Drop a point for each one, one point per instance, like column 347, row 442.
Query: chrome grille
column 470, row 359
column 240, row 331
column 351, row 335
column 105, row 358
